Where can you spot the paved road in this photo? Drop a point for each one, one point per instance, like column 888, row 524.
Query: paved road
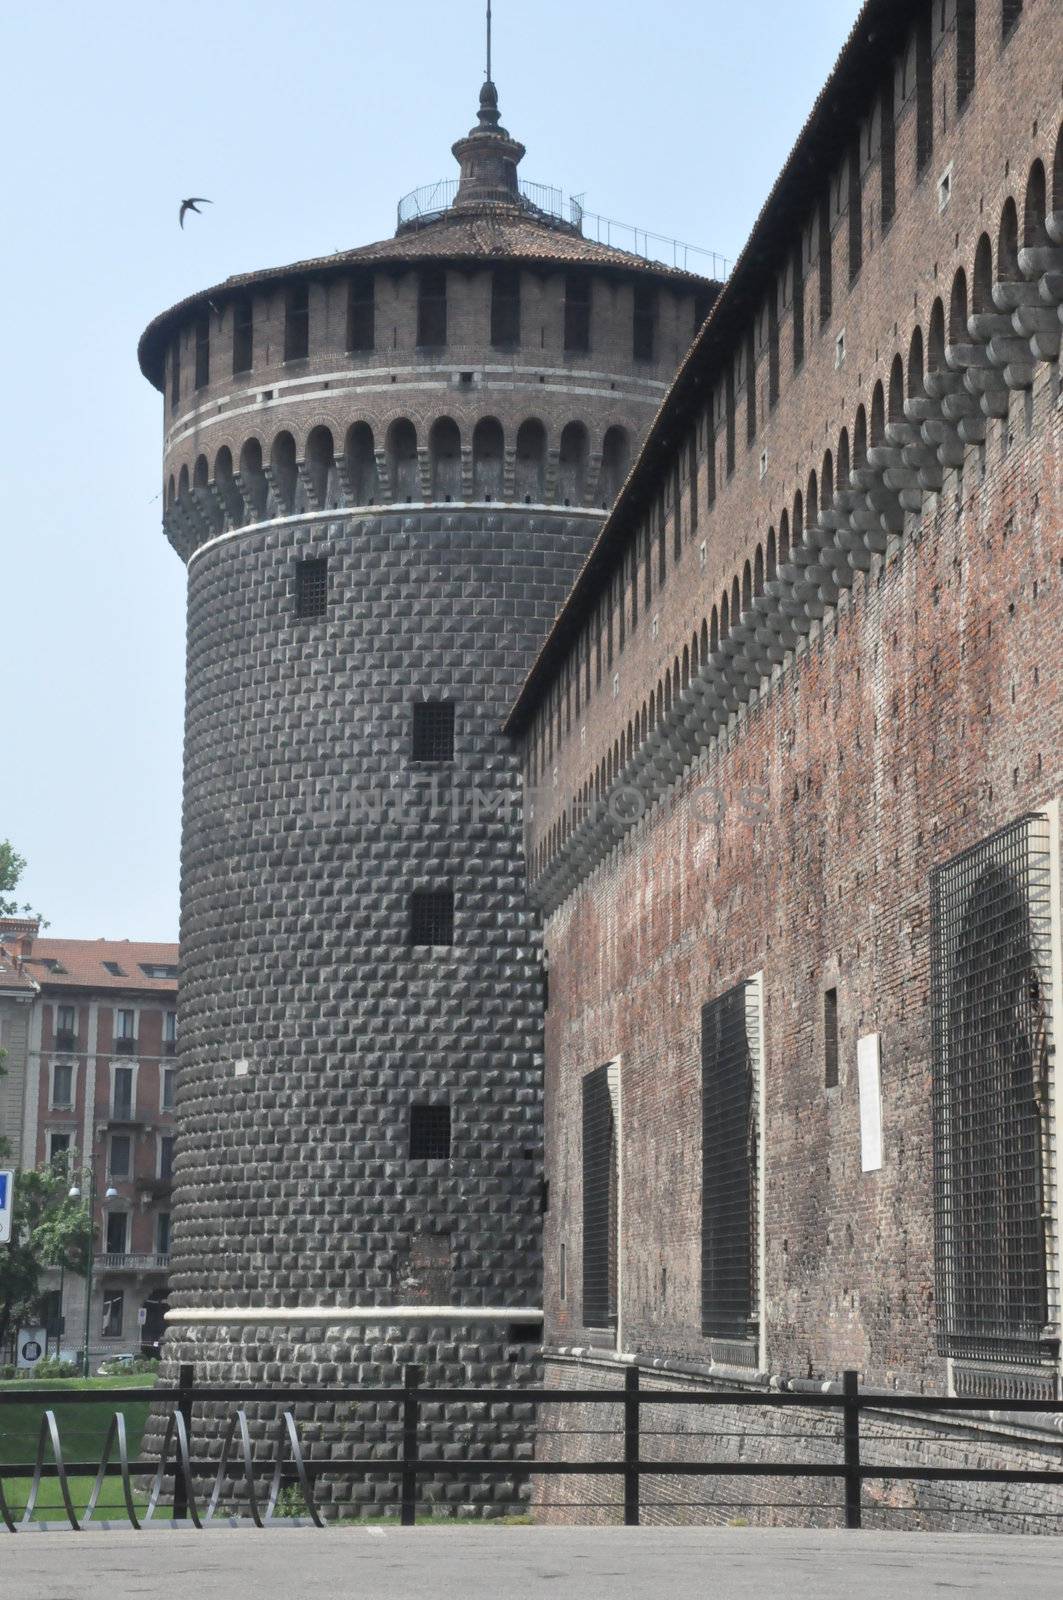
column 524, row 1564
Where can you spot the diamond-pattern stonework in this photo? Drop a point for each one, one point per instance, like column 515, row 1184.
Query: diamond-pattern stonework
column 306, row 828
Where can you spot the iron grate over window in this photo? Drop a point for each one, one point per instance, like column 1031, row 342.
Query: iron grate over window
column 991, row 932
column 311, row 587
column 729, row 1133
column 599, row 1202
column 433, row 730
column 429, row 1133
column 432, row 916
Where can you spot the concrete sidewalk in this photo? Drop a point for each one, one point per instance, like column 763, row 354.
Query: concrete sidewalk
column 523, row 1564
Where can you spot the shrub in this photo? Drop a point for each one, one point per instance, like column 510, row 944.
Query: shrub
column 53, row 1367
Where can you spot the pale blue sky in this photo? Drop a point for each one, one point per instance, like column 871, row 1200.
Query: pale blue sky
column 304, row 124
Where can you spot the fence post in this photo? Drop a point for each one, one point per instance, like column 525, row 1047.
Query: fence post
column 411, row 1411
column 851, row 1434
column 631, row 1447
column 185, row 1388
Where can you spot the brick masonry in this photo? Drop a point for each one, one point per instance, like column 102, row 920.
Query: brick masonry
column 917, row 715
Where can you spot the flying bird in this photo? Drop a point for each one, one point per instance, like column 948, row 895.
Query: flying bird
column 193, row 204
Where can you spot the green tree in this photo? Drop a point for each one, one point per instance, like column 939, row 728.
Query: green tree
column 12, row 867
column 48, row 1229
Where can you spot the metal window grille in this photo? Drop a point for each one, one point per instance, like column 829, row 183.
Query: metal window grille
column 433, row 730
column 429, row 1133
column 243, row 336
column 505, row 308
column 577, row 312
column 297, row 323
column 729, row 1167
column 600, row 1192
column 991, row 929
column 361, row 312
column 311, row 587
column 202, row 352
column 432, row 916
column 645, row 322
column 432, row 307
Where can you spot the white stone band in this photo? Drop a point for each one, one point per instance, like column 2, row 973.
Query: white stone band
column 265, row 1316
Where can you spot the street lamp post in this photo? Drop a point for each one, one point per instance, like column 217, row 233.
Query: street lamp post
column 110, row 1193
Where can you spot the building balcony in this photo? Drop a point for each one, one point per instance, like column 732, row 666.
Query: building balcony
column 155, row 1187
column 169, row 1047
column 138, row 1265
column 125, row 1047
column 65, row 1040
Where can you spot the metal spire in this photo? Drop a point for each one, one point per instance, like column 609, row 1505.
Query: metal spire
column 489, row 41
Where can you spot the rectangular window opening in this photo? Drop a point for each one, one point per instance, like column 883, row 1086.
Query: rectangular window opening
column 113, row 1306
column 577, row 312
column 830, row 1038
column 243, row 335
column 297, row 323
column 429, row 1133
column 645, row 322
column 730, row 1061
column 432, row 308
column 505, row 308
column 887, row 155
column 600, row 1200
column 432, row 916
column 433, row 730
column 361, row 311
column 311, row 587
column 924, row 92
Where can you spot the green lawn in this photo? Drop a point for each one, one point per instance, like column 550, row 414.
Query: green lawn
column 82, row 1431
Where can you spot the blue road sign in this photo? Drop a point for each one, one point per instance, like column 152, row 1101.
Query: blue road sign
column 7, row 1200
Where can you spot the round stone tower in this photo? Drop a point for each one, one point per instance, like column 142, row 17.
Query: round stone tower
column 383, row 469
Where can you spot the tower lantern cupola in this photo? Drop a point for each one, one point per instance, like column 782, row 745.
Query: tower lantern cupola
column 488, row 158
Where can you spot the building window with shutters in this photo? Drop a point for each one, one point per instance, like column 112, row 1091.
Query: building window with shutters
column 994, row 930
column 601, row 1190
column 731, row 1090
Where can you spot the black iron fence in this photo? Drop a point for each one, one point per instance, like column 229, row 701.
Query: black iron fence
column 263, row 1485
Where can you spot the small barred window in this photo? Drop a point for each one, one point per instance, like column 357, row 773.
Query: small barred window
column 311, row 588
column 433, row 730
column 432, row 916
column 429, row 1133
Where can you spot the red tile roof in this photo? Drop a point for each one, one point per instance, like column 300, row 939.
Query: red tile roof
column 12, row 975
column 79, row 964
column 490, row 233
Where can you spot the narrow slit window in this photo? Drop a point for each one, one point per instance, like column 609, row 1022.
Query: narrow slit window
column 887, row 154
column 577, row 312
column 361, row 312
column 311, row 587
column 830, row 1038
column 505, row 308
column 429, row 1133
column 432, row 308
column 924, row 92
column 600, row 1202
column 826, row 262
column 799, row 309
column 202, row 351
column 966, row 51
column 432, row 916
column 433, row 730
column 729, row 1190
column 297, row 323
column 645, row 322
column 243, row 336
column 175, row 371
column 856, row 213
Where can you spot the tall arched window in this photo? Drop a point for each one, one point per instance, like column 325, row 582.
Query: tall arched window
column 958, row 309
column 1008, row 244
column 915, row 364
column 320, row 461
column 444, row 449
column 935, row 345
column 282, row 468
column 252, row 478
column 1034, row 232
column 487, row 459
column 401, row 450
column 530, row 479
column 361, row 464
column 982, row 283
column 572, row 465
column 615, row 458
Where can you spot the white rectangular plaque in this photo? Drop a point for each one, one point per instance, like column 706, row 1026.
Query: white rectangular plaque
column 868, row 1063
